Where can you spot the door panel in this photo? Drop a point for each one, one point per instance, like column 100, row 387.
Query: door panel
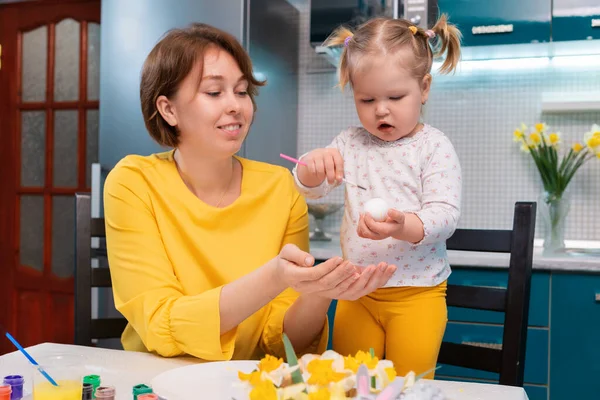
column 48, row 128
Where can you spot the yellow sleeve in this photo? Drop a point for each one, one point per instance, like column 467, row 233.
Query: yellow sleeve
column 296, row 233
column 146, row 290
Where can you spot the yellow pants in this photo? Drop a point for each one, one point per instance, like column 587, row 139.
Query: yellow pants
column 403, row 324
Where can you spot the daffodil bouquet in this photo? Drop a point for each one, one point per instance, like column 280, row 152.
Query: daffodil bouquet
column 543, row 145
column 556, row 172
column 331, row 376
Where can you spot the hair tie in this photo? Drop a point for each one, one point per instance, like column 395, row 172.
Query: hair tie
column 413, row 29
column 347, row 40
column 430, row 33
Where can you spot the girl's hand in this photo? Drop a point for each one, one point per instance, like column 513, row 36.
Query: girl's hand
column 393, row 226
column 321, row 164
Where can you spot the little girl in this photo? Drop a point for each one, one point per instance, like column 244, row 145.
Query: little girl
column 410, row 165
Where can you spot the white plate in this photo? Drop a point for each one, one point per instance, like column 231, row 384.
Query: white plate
column 214, row 380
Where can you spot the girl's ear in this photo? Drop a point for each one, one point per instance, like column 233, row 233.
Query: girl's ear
column 425, row 87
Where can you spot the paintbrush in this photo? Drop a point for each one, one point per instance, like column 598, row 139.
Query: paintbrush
column 27, row 355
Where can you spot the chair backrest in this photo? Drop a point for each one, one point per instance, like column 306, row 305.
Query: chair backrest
column 86, row 277
column 509, row 360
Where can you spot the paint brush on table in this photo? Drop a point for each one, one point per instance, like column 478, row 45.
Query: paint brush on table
column 27, row 355
column 303, row 163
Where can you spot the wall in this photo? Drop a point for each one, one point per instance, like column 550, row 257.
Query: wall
column 129, row 31
column 478, row 108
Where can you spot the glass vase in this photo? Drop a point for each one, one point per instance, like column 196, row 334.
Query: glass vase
column 554, row 209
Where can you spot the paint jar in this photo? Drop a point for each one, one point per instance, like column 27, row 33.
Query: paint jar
column 16, row 382
column 140, row 389
column 105, row 393
column 148, row 396
column 5, row 391
column 63, row 368
column 93, row 380
column 87, row 391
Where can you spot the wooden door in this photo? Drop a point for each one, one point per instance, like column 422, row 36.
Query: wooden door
column 49, row 89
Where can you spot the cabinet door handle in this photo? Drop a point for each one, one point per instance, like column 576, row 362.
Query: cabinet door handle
column 598, row 297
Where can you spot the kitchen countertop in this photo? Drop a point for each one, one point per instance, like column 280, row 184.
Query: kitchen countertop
column 576, row 261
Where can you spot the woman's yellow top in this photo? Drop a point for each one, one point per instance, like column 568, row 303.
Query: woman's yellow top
column 170, row 254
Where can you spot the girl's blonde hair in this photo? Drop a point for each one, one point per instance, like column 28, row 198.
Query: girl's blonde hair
column 387, row 35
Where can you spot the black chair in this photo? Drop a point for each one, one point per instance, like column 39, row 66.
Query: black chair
column 509, row 359
column 87, row 277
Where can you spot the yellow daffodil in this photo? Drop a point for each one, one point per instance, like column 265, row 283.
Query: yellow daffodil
column 264, row 390
column 372, row 363
column 272, row 369
column 525, row 147
column 351, row 363
column 593, row 142
column 391, row 373
column 577, row 147
column 253, row 378
column 519, row 133
column 592, row 138
column 322, row 373
column 540, row 127
column 554, row 139
column 269, row 363
column 535, row 139
column 364, row 357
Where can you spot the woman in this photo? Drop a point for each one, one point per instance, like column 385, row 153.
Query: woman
column 207, row 250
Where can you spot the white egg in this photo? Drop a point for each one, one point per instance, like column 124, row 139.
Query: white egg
column 378, row 208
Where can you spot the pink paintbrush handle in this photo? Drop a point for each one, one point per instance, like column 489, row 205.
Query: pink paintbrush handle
column 292, row 159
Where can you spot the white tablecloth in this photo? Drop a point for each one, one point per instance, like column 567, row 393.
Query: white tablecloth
column 124, row 370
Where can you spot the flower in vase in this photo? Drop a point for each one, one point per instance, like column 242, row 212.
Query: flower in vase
column 556, row 168
column 541, row 127
column 519, row 133
column 553, row 139
column 535, row 139
column 592, row 140
column 577, row 147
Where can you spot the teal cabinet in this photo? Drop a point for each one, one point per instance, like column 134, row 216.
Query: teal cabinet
column 575, row 20
column 575, row 337
column 494, row 22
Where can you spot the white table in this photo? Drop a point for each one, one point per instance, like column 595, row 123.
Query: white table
column 124, row 370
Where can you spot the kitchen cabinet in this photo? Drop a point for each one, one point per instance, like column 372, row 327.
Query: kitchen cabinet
column 496, row 22
column 575, row 20
column 575, row 336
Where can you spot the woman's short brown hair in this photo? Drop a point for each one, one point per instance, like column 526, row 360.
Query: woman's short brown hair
column 172, row 59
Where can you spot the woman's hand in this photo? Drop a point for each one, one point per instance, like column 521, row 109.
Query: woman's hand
column 295, row 269
column 334, row 278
